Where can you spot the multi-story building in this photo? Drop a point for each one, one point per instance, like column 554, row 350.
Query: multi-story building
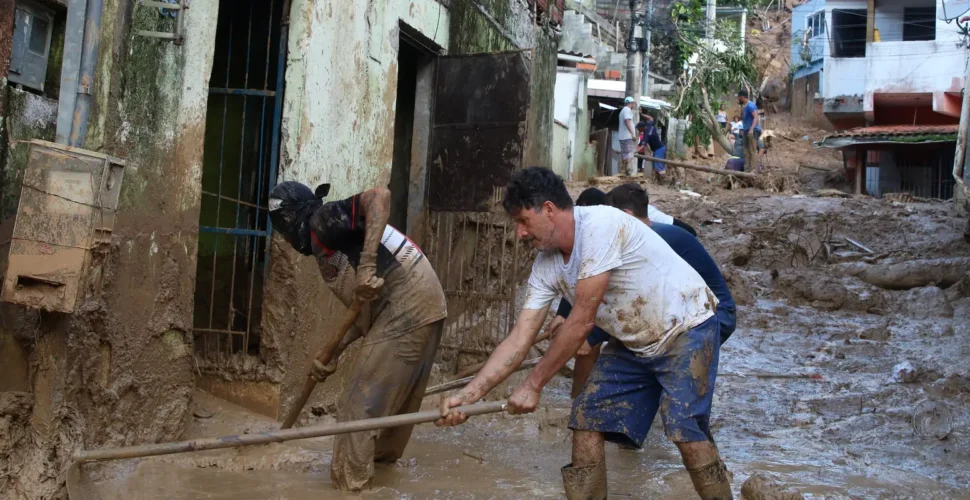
column 869, row 68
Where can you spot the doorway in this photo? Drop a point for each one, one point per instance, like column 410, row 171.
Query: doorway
column 412, row 130
column 239, row 166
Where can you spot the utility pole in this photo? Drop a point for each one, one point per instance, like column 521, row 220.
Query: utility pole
column 645, row 86
column 711, row 18
column 960, row 155
column 633, row 57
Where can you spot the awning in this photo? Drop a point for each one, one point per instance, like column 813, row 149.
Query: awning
column 616, row 89
column 890, row 134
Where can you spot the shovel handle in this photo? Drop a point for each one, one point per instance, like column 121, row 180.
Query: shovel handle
column 280, row 436
column 324, row 356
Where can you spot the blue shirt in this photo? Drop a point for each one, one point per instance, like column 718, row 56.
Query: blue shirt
column 691, row 250
column 652, row 138
column 747, row 116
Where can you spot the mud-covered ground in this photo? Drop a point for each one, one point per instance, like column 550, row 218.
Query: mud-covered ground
column 806, row 389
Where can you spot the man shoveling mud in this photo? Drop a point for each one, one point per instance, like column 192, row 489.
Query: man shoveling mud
column 360, row 255
column 622, row 277
column 634, row 200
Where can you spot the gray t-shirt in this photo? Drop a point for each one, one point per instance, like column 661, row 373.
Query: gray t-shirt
column 624, row 132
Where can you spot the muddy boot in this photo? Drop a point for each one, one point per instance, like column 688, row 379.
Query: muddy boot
column 711, row 481
column 585, row 483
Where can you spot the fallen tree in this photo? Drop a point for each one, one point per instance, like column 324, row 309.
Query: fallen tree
column 909, row 274
column 699, row 168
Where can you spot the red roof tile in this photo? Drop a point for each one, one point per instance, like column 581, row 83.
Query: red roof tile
column 884, row 130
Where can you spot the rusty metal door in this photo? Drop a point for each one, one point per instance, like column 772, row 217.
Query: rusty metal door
column 477, row 142
column 478, row 127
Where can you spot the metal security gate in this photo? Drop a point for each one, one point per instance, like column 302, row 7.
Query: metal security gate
column 480, row 263
column 478, row 136
column 240, row 158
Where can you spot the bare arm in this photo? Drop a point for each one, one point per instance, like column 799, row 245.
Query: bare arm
column 633, row 130
column 756, row 121
column 376, row 204
column 504, row 360
column 507, row 356
column 572, row 334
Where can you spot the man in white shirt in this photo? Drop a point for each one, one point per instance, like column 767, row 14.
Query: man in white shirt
column 627, row 134
column 622, row 277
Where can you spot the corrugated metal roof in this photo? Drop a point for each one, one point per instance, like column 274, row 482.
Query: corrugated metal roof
column 890, row 134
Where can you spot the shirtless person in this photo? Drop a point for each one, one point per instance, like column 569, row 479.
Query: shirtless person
column 622, row 277
column 360, row 255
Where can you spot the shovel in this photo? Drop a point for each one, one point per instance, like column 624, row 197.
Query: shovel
column 323, row 356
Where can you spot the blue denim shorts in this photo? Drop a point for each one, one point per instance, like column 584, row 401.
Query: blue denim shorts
column 625, row 391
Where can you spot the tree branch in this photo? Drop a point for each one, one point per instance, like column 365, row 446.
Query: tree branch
column 711, row 122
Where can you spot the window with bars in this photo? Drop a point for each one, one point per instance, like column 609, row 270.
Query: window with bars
column 815, row 24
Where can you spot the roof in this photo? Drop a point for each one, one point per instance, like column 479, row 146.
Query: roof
column 890, row 134
column 616, row 89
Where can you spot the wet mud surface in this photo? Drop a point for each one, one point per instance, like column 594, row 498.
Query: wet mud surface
column 830, row 387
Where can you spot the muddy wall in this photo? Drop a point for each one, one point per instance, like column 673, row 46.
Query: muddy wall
column 341, row 92
column 119, row 371
column 29, row 116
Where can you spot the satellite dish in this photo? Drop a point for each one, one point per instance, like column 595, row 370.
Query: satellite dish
column 953, row 9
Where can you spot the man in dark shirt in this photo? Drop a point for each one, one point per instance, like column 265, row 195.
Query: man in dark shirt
column 362, row 258
column 651, row 137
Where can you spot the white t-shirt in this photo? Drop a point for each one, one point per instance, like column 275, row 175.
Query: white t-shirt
column 657, row 216
column 735, row 127
column 653, row 295
column 722, row 117
column 624, row 132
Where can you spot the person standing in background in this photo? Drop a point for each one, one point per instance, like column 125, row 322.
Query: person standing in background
column 627, row 136
column 722, row 119
column 750, row 130
column 651, row 138
column 736, row 125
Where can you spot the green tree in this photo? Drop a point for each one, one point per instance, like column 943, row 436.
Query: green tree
column 712, row 67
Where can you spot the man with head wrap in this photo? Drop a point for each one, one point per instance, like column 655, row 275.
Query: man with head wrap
column 360, row 256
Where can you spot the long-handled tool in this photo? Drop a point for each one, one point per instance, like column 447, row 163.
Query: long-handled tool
column 149, row 450
column 323, row 357
column 473, row 369
column 454, row 384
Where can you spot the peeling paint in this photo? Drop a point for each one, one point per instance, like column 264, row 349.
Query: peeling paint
column 347, row 134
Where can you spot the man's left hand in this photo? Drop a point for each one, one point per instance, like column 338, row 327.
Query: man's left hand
column 524, row 399
column 368, row 285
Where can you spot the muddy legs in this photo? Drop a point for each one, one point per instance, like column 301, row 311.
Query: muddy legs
column 585, row 478
column 707, row 471
column 585, row 483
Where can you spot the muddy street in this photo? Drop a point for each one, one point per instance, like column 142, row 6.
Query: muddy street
column 809, row 390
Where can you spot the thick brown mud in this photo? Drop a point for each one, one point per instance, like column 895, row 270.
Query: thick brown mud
column 831, row 387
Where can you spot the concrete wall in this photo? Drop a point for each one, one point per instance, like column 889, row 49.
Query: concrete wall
column 893, row 66
column 571, row 109
column 30, row 116
column 844, row 76
column 119, row 371
column 560, row 150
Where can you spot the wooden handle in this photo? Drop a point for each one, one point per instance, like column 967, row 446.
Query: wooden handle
column 324, row 356
column 369, row 424
column 473, row 369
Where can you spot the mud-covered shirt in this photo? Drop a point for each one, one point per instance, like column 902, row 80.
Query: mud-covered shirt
column 412, row 296
column 653, row 295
